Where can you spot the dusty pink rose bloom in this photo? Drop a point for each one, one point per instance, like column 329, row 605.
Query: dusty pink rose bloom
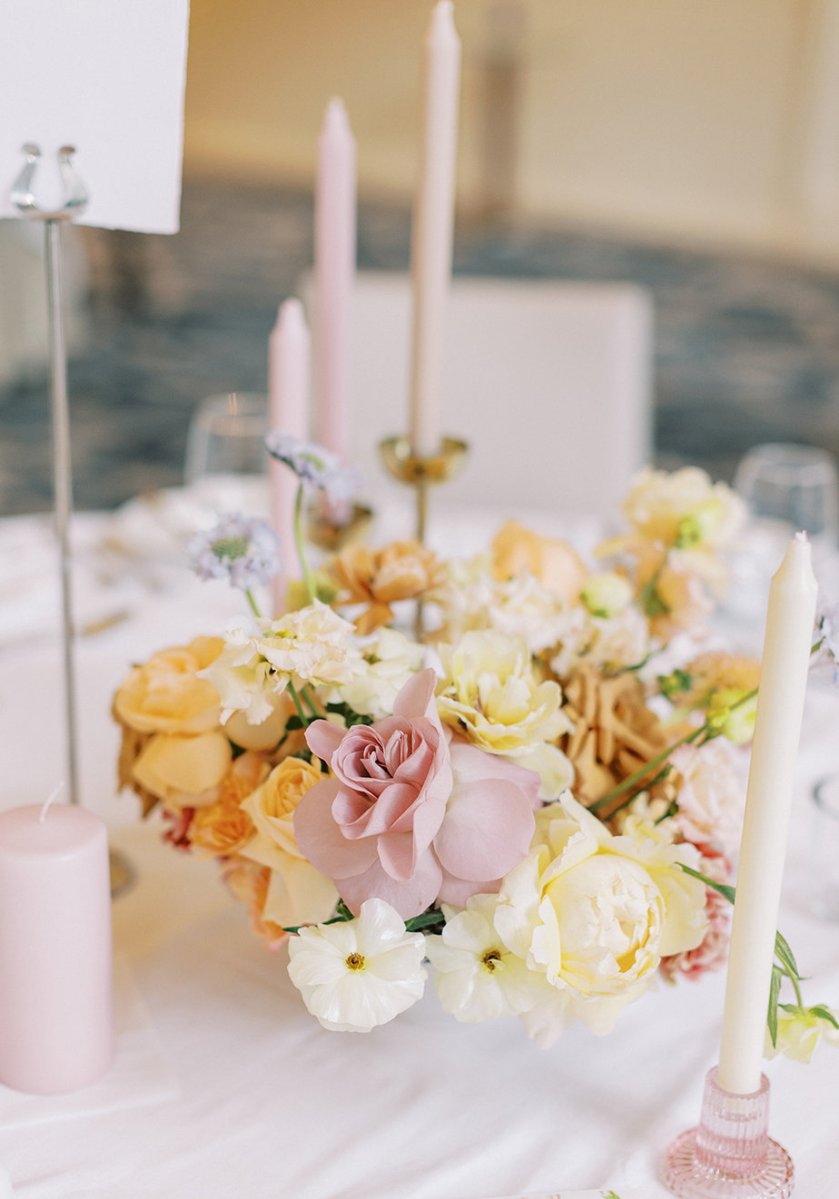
column 409, row 817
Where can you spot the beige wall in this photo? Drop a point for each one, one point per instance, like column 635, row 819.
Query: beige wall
column 692, row 119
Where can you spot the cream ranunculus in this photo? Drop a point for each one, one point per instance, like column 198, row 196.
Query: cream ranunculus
column 387, row 662
column 297, row 892
column 184, row 772
column 166, row 694
column 595, row 914
column 683, row 508
column 492, row 696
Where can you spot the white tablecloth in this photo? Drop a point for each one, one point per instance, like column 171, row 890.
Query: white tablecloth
column 262, row 1102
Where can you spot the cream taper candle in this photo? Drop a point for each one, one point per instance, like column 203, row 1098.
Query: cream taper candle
column 780, row 708
column 431, row 250
column 335, row 220
column 56, row 1030
column 289, row 366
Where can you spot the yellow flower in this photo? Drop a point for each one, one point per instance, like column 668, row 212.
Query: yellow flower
column 297, row 892
column 606, row 595
column 683, row 508
column 166, row 695
column 595, row 913
column 184, row 772
column 518, row 550
column 799, row 1032
column 493, row 697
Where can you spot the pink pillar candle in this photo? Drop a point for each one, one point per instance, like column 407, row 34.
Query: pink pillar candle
column 289, row 355
column 56, row 1025
column 335, row 232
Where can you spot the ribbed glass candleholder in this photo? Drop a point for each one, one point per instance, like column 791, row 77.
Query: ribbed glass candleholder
column 730, row 1155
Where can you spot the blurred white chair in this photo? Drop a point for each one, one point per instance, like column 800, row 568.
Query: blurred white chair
column 549, row 382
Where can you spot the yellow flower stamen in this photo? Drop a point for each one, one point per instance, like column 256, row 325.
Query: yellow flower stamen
column 355, row 961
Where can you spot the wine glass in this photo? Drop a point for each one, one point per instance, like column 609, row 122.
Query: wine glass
column 225, row 469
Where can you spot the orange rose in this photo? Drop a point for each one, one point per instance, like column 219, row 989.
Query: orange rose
column 224, row 828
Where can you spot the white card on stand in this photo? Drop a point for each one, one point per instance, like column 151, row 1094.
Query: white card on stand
column 108, row 77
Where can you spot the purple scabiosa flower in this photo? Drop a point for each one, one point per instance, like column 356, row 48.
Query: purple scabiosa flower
column 241, row 549
column 318, row 469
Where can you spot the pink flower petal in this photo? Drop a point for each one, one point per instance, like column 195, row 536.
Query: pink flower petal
column 408, row 898
column 417, row 696
column 323, row 738
column 397, row 854
column 320, row 840
column 456, row 891
column 472, row 764
column 487, row 829
column 377, row 818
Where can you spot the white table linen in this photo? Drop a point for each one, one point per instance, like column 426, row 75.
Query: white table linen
column 269, row 1104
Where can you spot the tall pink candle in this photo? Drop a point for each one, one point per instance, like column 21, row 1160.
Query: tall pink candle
column 56, row 1026
column 431, row 250
column 335, row 223
column 289, row 354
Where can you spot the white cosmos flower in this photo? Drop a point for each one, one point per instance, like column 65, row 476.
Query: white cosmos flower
column 476, row 976
column 361, row 973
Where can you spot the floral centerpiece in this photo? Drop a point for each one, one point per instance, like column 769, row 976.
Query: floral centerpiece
column 539, row 801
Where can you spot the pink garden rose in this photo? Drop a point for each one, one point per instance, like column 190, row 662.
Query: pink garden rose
column 409, row 816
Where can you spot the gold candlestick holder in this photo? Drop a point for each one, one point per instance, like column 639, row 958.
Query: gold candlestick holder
column 422, row 471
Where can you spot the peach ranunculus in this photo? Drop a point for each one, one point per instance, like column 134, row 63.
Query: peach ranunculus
column 297, row 892
column 183, row 772
column 166, row 694
column 409, row 818
column 379, row 578
column 224, row 828
column 518, row 550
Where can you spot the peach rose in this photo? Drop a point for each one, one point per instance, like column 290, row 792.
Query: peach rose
column 517, row 550
column 224, row 828
column 249, row 883
column 379, row 578
column 297, row 892
column 166, row 695
column 184, row 771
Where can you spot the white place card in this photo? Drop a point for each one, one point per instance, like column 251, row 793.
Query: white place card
column 108, row 77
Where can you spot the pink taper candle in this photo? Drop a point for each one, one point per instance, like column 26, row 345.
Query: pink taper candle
column 289, row 357
column 56, row 1027
column 431, row 252
column 335, row 221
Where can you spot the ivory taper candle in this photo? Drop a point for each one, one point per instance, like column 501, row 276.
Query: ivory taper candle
column 431, row 250
column 780, row 708
column 289, row 357
column 56, row 1030
column 335, row 222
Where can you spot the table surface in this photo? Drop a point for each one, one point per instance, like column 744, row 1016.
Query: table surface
column 260, row 1101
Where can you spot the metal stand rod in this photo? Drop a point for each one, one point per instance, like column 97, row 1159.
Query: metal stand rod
column 62, row 477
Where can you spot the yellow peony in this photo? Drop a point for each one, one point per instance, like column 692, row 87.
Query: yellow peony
column 165, row 695
column 297, row 892
column 493, row 697
column 184, row 772
column 595, row 914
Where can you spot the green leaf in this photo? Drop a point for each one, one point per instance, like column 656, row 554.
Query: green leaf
column 426, row 920
column 785, row 956
column 724, row 889
column 774, row 993
column 824, row 1013
column 651, row 601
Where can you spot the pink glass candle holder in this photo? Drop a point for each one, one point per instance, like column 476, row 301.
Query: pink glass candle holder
column 730, row 1155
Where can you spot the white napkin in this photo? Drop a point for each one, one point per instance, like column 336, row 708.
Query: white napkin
column 139, row 1075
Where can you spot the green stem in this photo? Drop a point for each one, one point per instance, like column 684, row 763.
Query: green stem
column 308, row 699
column 648, row 768
column 253, row 604
column 293, row 693
column 299, row 541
